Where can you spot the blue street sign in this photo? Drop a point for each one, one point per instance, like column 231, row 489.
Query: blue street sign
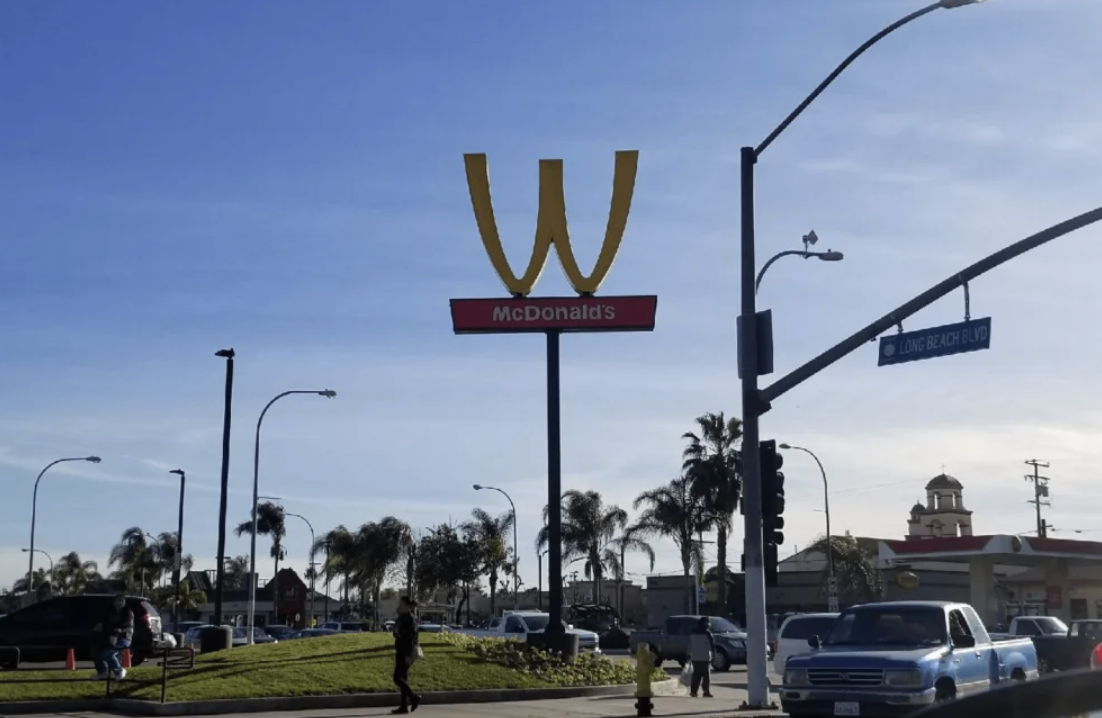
column 942, row 341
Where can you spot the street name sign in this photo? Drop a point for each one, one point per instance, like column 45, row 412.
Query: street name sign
column 970, row 336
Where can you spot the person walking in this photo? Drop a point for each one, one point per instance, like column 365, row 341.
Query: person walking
column 702, row 647
column 113, row 636
column 407, row 649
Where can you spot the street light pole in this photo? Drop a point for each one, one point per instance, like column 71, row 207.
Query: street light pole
column 828, row 256
column 312, row 539
column 539, row 591
column 753, row 405
column 832, row 588
column 48, row 556
column 516, row 555
column 327, row 393
column 179, row 568
column 34, row 515
column 224, row 491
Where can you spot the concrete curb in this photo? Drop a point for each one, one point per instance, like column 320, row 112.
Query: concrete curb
column 131, row 707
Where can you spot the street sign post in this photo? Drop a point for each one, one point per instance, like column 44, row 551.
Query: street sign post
column 969, row 336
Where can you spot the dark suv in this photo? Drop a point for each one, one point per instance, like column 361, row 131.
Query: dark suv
column 45, row 631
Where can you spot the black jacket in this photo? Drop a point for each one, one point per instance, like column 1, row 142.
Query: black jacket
column 119, row 623
column 405, row 635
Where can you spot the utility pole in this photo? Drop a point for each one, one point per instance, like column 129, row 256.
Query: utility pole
column 1040, row 493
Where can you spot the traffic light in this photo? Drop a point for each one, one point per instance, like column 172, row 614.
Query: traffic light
column 772, row 508
column 772, row 494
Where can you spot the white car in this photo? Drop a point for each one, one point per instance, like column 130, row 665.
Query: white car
column 519, row 623
column 794, row 632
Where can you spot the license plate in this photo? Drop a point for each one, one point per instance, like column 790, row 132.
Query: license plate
column 847, row 708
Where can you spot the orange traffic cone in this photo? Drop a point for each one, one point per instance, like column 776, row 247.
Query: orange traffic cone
column 126, row 658
column 70, row 661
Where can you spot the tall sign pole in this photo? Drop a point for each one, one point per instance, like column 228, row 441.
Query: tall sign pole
column 553, row 316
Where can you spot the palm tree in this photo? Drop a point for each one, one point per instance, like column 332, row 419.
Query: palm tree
column 616, row 555
column 270, row 522
column 237, row 568
column 855, row 567
column 712, row 462
column 672, row 511
column 364, row 557
column 588, row 527
column 136, row 559
column 189, row 598
column 490, row 533
column 167, row 548
column 73, row 575
column 42, row 584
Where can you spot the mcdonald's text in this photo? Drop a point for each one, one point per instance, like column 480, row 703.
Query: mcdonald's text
column 565, row 314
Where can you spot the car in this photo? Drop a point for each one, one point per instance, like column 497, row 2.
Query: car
column 794, row 633
column 671, row 643
column 241, row 636
column 280, row 633
column 315, row 633
column 517, row 624
column 344, row 626
column 184, row 626
column 896, row 657
column 45, row 631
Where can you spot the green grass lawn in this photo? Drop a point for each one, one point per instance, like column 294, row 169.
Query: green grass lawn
column 322, row 666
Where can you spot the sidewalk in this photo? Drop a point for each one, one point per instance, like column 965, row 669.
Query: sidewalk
column 725, row 703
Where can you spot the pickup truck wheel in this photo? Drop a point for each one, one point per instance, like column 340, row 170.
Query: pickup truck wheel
column 721, row 661
column 944, row 691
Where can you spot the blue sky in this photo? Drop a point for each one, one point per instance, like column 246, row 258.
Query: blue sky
column 175, row 179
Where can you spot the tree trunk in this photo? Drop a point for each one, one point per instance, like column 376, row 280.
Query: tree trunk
column 275, row 588
column 620, row 584
column 493, row 593
column 721, row 571
column 687, row 566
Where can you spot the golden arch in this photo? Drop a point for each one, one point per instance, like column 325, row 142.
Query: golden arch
column 551, row 223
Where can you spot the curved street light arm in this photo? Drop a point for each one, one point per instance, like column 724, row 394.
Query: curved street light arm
column 516, row 553
column 839, row 70
column 871, row 332
column 34, row 514
column 256, row 498
column 826, row 507
column 787, row 253
column 313, row 578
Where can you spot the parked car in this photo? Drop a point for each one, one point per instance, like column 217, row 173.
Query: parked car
column 314, row 633
column 184, row 626
column 794, row 632
column 892, row 659
column 280, row 633
column 671, row 643
column 1059, row 647
column 344, row 626
column 517, row 624
column 45, row 631
column 241, row 636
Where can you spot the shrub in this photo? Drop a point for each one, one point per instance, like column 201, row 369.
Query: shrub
column 588, row 669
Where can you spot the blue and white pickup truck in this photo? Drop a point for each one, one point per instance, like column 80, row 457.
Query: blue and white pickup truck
column 891, row 659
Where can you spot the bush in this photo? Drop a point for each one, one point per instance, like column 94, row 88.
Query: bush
column 588, row 669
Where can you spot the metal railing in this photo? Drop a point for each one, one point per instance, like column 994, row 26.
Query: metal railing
column 172, row 659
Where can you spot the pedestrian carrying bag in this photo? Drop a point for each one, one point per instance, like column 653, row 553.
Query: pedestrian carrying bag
column 687, row 675
column 417, row 654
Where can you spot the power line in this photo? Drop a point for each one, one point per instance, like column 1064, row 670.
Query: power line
column 1040, row 493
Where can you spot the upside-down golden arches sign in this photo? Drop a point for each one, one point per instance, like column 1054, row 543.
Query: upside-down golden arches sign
column 551, row 227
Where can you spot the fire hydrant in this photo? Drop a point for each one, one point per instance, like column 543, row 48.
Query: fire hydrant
column 644, row 669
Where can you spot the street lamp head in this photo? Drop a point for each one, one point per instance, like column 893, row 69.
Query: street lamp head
column 225, row 353
column 831, row 256
column 328, row 394
column 950, row 4
column 25, row 550
column 178, row 472
column 93, row 459
column 477, row 487
column 785, row 446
